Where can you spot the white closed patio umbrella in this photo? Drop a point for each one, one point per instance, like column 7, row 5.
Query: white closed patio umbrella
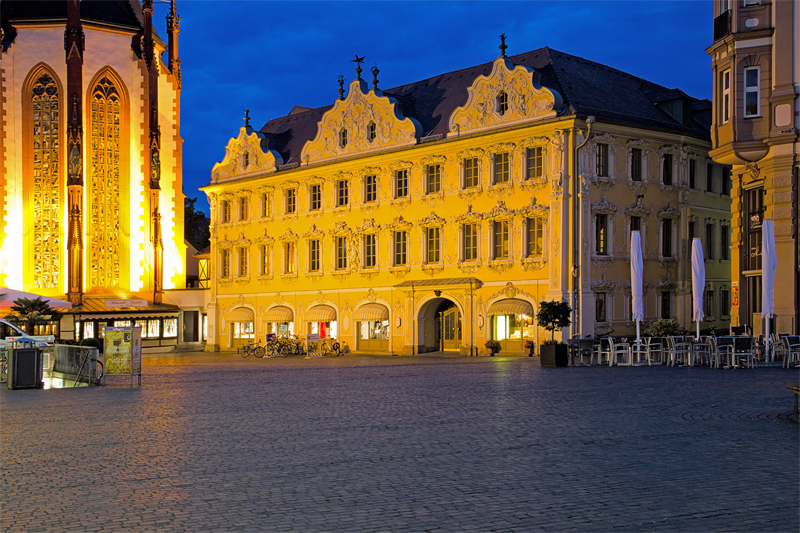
column 637, row 266
column 698, row 282
column 769, row 264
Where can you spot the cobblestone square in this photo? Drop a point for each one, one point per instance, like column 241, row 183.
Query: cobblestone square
column 214, row 442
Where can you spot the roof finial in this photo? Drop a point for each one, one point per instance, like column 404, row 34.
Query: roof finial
column 358, row 61
column 502, row 46
column 341, row 86
column 375, row 71
column 246, row 118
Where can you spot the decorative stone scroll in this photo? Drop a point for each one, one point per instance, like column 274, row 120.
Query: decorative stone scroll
column 248, row 153
column 362, row 114
column 525, row 99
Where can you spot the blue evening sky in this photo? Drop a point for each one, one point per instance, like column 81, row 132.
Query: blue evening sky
column 269, row 56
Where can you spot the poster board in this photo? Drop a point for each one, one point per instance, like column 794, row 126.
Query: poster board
column 123, row 352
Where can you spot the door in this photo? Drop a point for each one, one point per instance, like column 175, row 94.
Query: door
column 190, row 329
column 451, row 329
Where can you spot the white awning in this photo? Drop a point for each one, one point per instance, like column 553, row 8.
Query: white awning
column 241, row 314
column 321, row 313
column 371, row 312
column 279, row 314
column 511, row 306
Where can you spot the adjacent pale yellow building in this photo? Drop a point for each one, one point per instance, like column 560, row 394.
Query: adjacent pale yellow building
column 437, row 215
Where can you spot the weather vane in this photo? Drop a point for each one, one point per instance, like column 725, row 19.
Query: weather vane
column 358, row 61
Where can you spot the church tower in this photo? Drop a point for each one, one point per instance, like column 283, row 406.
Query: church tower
column 91, row 198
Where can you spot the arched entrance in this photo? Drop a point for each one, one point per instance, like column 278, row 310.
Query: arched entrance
column 440, row 326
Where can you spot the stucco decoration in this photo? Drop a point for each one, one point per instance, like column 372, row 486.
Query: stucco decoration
column 500, row 212
column 527, row 100
column 603, row 285
column 431, row 220
column 313, row 233
column 353, row 115
column 248, row 153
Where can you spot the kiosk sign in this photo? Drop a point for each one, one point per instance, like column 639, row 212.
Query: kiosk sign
column 123, row 352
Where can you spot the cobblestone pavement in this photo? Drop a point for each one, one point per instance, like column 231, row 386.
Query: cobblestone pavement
column 214, row 442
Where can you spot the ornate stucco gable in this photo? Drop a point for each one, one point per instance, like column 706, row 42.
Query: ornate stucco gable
column 526, row 100
column 247, row 153
column 370, row 120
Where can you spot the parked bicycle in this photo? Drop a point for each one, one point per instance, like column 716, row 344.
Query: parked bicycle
column 254, row 348
column 330, row 347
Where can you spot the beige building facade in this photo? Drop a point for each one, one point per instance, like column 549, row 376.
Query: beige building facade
column 756, row 120
column 437, row 215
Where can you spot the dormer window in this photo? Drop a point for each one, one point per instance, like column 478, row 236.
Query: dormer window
column 371, row 131
column 343, row 137
column 502, row 102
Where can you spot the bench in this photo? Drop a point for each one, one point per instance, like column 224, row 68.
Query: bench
column 794, row 386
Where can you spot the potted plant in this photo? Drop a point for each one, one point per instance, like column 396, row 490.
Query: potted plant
column 551, row 316
column 529, row 348
column 493, row 347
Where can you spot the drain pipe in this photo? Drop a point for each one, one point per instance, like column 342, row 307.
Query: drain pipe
column 577, row 231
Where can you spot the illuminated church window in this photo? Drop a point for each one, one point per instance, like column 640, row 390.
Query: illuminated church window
column 105, row 195
column 46, row 197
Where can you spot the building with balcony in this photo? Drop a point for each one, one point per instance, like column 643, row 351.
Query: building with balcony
column 437, row 215
column 756, row 120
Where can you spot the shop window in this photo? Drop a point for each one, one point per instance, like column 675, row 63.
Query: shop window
column 244, row 330
column 153, row 328
column 170, row 328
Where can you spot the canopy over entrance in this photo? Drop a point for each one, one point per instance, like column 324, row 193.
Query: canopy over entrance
column 372, row 312
column 279, row 314
column 7, row 297
column 321, row 313
column 241, row 314
column 511, row 306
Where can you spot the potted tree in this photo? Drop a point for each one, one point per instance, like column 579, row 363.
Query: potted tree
column 551, row 316
column 529, row 348
column 493, row 347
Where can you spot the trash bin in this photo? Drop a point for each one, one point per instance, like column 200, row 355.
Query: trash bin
column 25, row 369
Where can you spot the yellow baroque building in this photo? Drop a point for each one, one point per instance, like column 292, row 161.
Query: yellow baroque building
column 437, row 215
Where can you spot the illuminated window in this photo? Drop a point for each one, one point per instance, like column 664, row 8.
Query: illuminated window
column 602, row 160
column 501, row 239
column 400, row 248
column 342, row 193
column 601, row 235
column 752, row 92
column 316, row 197
column 289, row 258
column 370, row 188
column 266, row 260
column 313, row 255
column 370, row 258
column 401, row 183
column 470, row 245
column 434, row 178
column 266, row 205
column 170, row 327
column 242, row 252
column 104, row 205
column 501, row 171
column 341, row 253
column 535, row 230
column 153, row 328
column 291, row 201
column 433, row 244
column 46, row 199
column 471, row 172
column 534, row 159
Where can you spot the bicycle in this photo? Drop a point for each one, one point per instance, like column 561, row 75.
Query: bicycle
column 254, row 348
column 330, row 350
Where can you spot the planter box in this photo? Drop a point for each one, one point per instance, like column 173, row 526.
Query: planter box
column 554, row 355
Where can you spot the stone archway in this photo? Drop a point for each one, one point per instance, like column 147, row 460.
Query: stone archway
column 440, row 325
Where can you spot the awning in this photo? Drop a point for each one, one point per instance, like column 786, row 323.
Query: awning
column 510, row 306
column 9, row 295
column 371, row 312
column 279, row 314
column 321, row 313
column 241, row 314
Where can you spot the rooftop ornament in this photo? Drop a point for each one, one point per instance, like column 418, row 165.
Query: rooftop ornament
column 502, row 46
column 246, row 118
column 341, row 86
column 375, row 70
column 358, row 61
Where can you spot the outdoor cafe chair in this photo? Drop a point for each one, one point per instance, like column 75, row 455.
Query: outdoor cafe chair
column 719, row 351
column 744, row 349
column 791, row 354
column 654, row 346
column 602, row 351
column 678, row 351
column 586, row 349
column 620, row 351
column 701, row 351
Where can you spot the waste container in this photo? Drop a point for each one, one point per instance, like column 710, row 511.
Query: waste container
column 25, row 369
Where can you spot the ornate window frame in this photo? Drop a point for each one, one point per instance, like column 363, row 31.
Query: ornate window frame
column 644, row 214
column 675, row 154
column 433, row 161
column 285, row 188
column 473, row 153
column 646, row 150
column 510, row 149
column 526, row 180
column 363, row 175
column 266, row 196
column 395, row 169
column 469, row 217
column 612, row 142
column 313, row 234
column 289, row 238
column 341, row 230
column 266, row 248
column 603, row 208
column 368, row 227
column 668, row 213
column 500, row 213
column 310, row 183
column 542, row 213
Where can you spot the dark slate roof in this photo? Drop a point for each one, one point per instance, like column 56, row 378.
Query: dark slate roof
column 588, row 88
column 117, row 13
